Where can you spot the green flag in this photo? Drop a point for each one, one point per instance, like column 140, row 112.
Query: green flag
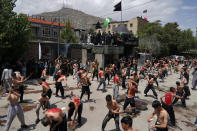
column 107, row 21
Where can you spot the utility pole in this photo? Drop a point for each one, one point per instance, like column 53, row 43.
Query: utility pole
column 58, row 47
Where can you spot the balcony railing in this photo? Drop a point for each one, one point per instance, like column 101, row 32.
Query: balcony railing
column 38, row 38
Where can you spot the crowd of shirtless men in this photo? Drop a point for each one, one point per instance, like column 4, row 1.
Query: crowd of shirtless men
column 127, row 76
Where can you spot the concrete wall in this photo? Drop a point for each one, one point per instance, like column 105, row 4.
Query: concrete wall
column 101, row 59
column 84, row 56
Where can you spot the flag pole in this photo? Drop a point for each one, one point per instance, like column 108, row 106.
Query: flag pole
column 121, row 11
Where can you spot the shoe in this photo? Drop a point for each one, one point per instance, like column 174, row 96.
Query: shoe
column 24, row 126
column 37, row 121
column 145, row 95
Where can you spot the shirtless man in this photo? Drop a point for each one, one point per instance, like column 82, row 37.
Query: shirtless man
column 167, row 105
column 75, row 106
column 160, row 74
column 44, row 103
column 130, row 95
column 126, row 123
column 46, row 87
column 95, row 70
column 85, row 82
column 57, row 66
column 14, row 108
column 180, row 92
column 123, row 75
column 107, row 74
column 56, row 118
column 162, row 117
column 114, row 108
column 150, row 80
column 117, row 82
column 102, row 79
column 170, row 66
column 75, row 69
column 44, row 74
column 19, row 77
column 59, row 85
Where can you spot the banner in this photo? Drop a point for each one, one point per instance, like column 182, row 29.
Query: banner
column 118, row 7
column 40, row 52
column 107, row 21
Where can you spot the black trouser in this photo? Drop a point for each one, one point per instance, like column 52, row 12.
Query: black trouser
column 107, row 76
column 71, row 111
column 150, row 87
column 142, row 72
column 170, row 110
column 161, row 129
column 123, row 82
column 95, row 73
column 85, row 89
column 182, row 99
column 60, row 127
column 155, row 79
column 48, row 93
column 130, row 101
column 128, row 72
column 108, row 117
column 21, row 91
column 59, row 87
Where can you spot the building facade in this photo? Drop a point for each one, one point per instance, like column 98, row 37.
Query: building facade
column 46, row 34
column 132, row 25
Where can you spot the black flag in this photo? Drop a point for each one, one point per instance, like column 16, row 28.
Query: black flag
column 118, row 7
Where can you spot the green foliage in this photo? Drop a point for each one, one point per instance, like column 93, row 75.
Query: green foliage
column 68, row 35
column 172, row 40
column 14, row 32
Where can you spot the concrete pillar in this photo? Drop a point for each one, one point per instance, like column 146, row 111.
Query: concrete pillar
column 101, row 59
column 116, row 59
column 84, row 56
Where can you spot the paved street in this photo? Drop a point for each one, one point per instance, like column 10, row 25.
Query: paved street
column 95, row 111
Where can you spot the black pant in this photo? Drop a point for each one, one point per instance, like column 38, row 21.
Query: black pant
column 130, row 101
column 107, row 77
column 48, row 93
column 170, row 110
column 150, row 87
column 60, row 127
column 85, row 89
column 142, row 72
column 182, row 99
column 155, row 79
column 21, row 91
column 161, row 129
column 71, row 111
column 95, row 73
column 108, row 117
column 123, row 82
column 59, row 87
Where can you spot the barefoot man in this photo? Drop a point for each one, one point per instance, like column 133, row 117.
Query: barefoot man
column 14, row 108
column 114, row 108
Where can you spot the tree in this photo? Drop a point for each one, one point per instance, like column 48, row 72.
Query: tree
column 151, row 43
column 68, row 35
column 15, row 32
column 170, row 38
